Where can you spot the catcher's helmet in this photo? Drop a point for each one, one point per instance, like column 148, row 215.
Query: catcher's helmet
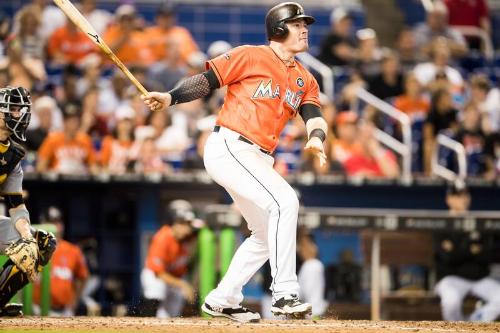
column 277, row 17
column 15, row 104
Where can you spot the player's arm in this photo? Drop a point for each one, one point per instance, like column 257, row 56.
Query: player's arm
column 81, row 274
column 317, row 129
column 190, row 89
column 13, row 196
column 172, row 281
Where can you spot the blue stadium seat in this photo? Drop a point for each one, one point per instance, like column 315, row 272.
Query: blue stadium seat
column 472, row 61
column 412, row 10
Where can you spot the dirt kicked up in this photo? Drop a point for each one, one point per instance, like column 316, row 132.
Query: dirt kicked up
column 188, row 325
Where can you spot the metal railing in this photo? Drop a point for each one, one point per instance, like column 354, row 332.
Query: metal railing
column 473, row 31
column 467, row 30
column 323, row 70
column 459, row 149
column 404, row 147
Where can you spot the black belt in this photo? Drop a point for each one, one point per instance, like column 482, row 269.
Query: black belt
column 242, row 138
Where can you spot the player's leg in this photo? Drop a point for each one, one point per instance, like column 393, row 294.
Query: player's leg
column 11, row 281
column 248, row 258
column 11, row 278
column 488, row 290
column 153, row 293
column 248, row 174
column 312, row 285
column 452, row 291
column 174, row 302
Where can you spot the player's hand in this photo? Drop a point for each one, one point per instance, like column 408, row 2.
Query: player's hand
column 187, row 292
column 315, row 146
column 157, row 101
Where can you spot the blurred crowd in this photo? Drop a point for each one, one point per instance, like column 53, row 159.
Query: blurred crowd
column 88, row 118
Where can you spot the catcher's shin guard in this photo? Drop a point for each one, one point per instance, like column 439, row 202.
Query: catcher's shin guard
column 12, row 279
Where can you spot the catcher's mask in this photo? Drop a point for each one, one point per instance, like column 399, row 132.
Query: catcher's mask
column 15, row 104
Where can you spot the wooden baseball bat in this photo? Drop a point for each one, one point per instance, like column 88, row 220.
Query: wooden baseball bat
column 81, row 22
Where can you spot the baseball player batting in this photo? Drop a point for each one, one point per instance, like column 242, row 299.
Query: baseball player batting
column 27, row 248
column 266, row 87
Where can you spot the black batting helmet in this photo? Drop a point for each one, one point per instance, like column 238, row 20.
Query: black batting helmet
column 280, row 14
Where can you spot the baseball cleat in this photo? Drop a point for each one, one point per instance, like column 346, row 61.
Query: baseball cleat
column 291, row 307
column 12, row 310
column 240, row 314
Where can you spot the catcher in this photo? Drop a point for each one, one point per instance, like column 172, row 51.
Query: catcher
column 27, row 249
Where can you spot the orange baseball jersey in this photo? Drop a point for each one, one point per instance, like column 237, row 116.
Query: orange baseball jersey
column 74, row 45
column 68, row 264
column 166, row 254
column 161, row 41
column 67, row 155
column 415, row 108
column 135, row 51
column 115, row 154
column 263, row 93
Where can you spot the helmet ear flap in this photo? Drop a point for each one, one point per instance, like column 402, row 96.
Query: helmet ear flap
column 280, row 30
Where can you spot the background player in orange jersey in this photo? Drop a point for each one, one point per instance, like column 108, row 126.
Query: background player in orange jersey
column 164, row 289
column 266, row 87
column 68, row 274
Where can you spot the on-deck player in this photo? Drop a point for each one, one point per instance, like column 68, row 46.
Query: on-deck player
column 266, row 87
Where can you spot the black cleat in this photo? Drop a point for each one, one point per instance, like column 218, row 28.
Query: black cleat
column 291, row 307
column 240, row 314
column 12, row 310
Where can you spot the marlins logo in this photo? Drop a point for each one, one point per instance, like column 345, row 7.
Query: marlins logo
column 266, row 90
column 300, row 82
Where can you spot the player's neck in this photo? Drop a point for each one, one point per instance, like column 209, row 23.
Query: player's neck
column 286, row 56
column 4, row 136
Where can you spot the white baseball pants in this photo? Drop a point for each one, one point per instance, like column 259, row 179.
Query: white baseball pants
column 453, row 289
column 171, row 298
column 312, row 283
column 270, row 207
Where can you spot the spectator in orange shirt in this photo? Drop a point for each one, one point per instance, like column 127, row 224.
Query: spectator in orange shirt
column 69, row 151
column 359, row 152
column 68, row 273
column 412, row 102
column 416, row 106
column 163, row 284
column 69, row 45
column 116, row 148
column 166, row 31
column 126, row 40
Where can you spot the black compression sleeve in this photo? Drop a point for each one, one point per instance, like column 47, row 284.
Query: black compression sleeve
column 308, row 111
column 318, row 132
column 212, row 79
column 194, row 87
column 13, row 200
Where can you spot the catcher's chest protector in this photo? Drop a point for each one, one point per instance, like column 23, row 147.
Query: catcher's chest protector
column 9, row 157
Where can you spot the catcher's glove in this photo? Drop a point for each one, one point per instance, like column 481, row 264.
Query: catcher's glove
column 24, row 254
column 46, row 246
